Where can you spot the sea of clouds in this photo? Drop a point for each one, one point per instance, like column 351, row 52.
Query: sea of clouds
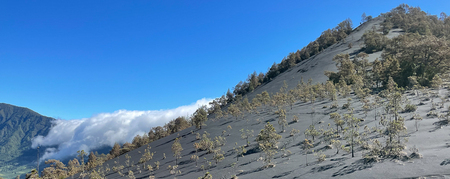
column 66, row 137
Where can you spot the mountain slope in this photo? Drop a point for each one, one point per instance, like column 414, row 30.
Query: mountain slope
column 430, row 139
column 18, row 126
column 250, row 165
column 314, row 67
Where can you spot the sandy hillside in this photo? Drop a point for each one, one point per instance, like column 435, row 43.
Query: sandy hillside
column 315, row 66
column 431, row 139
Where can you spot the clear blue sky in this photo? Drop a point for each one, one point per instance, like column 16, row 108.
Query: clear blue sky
column 73, row 59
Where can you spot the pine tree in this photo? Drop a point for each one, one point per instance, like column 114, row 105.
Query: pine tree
column 436, row 82
column 307, row 144
column 115, row 151
column 394, row 97
column 344, row 89
column 240, row 151
column 146, row 156
column 282, row 119
column 256, row 102
column 73, row 167
column 200, row 116
column 230, row 96
column 265, row 97
column 337, row 120
column 92, row 161
column 218, row 113
column 267, row 140
column 81, row 155
column 417, row 118
column 176, row 149
column 394, row 130
column 293, row 133
column 290, row 98
column 57, row 169
column 195, row 158
column 331, row 90
column 245, row 105
column 336, row 144
column 312, row 96
column 218, row 155
column 366, row 106
column 311, row 131
column 329, row 134
column 377, row 72
column 363, row 18
column 352, row 134
column 206, row 143
column 376, row 104
column 346, row 68
column 246, row 134
column 234, row 110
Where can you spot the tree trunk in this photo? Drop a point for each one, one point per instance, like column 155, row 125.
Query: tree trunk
column 306, row 156
column 353, row 153
column 375, row 113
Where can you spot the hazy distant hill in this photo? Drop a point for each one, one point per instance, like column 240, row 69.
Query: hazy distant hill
column 18, row 125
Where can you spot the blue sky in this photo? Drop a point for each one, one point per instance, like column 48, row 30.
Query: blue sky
column 74, row 59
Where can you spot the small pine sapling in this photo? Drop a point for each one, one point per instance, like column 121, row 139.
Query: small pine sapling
column 336, row 144
column 311, row 131
column 218, row 156
column 417, row 118
column 293, row 133
column 306, row 146
column 195, row 158
column 240, row 151
column 131, row 175
column 320, row 156
column 294, row 118
column 282, row 119
column 176, row 149
column 246, row 134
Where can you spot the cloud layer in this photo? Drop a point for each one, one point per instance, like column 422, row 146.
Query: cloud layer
column 121, row 126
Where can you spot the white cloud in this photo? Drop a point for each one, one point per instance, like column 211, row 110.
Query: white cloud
column 121, row 126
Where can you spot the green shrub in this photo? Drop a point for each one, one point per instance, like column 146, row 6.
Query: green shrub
column 320, row 156
column 432, row 114
column 346, row 106
column 334, row 105
column 410, row 108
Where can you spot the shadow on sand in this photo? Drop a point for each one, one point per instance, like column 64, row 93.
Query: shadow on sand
column 355, row 166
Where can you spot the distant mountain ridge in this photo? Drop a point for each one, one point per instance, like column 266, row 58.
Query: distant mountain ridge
column 18, row 126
